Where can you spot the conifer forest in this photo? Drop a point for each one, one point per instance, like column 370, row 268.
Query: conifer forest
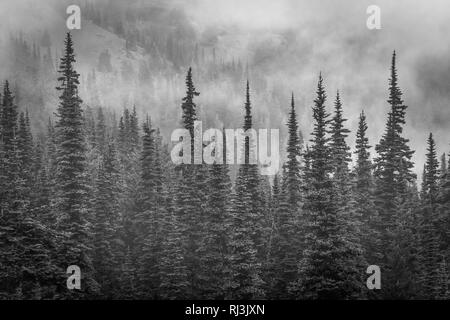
column 88, row 184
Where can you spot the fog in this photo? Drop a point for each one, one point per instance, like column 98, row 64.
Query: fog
column 285, row 44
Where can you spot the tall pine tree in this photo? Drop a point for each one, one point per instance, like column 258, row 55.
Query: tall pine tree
column 429, row 252
column 394, row 178
column 287, row 242
column 328, row 268
column 247, row 252
column 364, row 195
column 71, row 192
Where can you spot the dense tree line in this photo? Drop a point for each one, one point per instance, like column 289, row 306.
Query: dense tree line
column 102, row 193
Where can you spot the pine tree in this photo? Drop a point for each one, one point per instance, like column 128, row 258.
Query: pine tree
column 340, row 153
column 364, row 198
column 26, row 264
column 190, row 199
column 339, row 148
column 11, row 216
column 31, row 244
column 328, row 268
column 429, row 237
column 129, row 185
column 349, row 218
column 443, row 200
column 9, row 116
column 129, row 132
column 246, row 243
column 287, row 242
column 317, row 202
column 190, row 109
column 393, row 178
column 70, row 176
column 431, row 172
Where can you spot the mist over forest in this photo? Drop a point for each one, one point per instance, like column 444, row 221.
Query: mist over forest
column 97, row 202
column 137, row 53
